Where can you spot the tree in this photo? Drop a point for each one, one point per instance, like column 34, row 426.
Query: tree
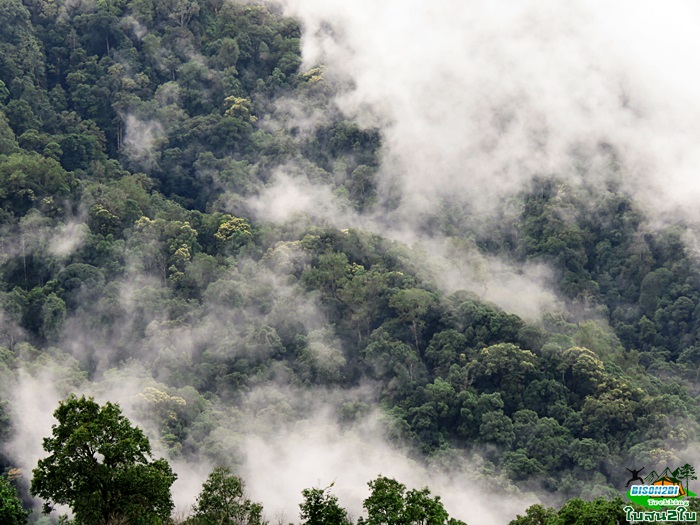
column 446, row 348
column 505, row 368
column 535, row 515
column 579, row 512
column 687, row 472
column 496, row 427
column 8, row 143
column 412, row 305
column 222, row 502
column 233, row 232
column 320, row 507
column 582, row 369
column 11, row 511
column 99, row 465
column 53, row 314
column 165, row 246
column 390, row 504
column 385, row 505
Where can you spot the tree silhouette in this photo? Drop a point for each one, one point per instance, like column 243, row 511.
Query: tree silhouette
column 687, row 472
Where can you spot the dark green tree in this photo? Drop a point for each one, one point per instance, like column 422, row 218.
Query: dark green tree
column 390, row 504
column 99, row 465
column 11, row 511
column 599, row 511
column 320, row 507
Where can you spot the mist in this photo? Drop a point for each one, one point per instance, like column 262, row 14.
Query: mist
column 280, row 440
column 474, row 100
column 280, row 437
column 139, row 140
column 317, row 452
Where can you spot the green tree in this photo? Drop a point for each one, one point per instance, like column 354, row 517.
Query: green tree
column 497, row 427
column 599, row 512
column 421, row 509
column 233, row 232
column 588, row 453
column 412, row 305
column 390, row 504
column 11, row 511
column 386, row 503
column 504, row 368
column 445, row 349
column 25, row 179
column 222, row 502
column 99, row 465
column 320, row 507
column 364, row 295
column 687, row 472
column 536, row 515
column 164, row 246
column 582, row 370
column 53, row 314
column 8, row 143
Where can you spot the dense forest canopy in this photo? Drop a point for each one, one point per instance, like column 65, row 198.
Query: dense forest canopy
column 194, row 224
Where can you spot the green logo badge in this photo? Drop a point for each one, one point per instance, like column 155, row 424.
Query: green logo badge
column 666, row 494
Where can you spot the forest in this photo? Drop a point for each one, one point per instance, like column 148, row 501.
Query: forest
column 142, row 265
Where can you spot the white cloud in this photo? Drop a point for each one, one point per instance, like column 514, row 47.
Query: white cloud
column 317, row 452
column 475, row 98
column 140, row 139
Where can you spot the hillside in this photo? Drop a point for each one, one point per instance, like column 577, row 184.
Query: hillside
column 194, row 225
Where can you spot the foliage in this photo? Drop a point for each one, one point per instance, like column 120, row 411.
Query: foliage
column 390, row 504
column 11, row 511
column 222, row 502
column 320, row 507
column 99, row 465
column 576, row 512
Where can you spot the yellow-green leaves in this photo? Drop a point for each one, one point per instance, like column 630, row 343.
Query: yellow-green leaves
column 234, row 229
column 240, row 107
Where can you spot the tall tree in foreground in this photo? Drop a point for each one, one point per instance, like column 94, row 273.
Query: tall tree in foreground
column 100, row 466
